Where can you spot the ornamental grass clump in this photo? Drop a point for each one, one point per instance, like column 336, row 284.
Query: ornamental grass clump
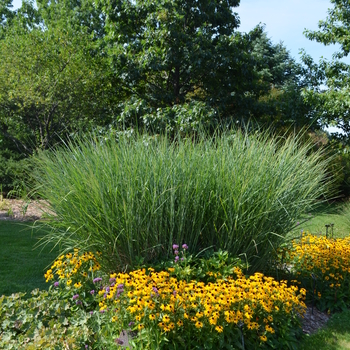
column 132, row 198
column 322, row 265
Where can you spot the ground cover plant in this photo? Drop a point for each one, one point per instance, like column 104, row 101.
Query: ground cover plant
column 133, row 197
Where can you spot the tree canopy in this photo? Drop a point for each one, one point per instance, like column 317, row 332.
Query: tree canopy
column 69, row 66
column 329, row 82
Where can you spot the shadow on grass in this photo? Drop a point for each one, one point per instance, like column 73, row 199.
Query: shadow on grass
column 335, row 336
column 331, row 208
column 324, row 214
column 22, row 267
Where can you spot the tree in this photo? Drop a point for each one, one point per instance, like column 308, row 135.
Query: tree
column 328, row 89
column 279, row 99
column 5, row 12
column 77, row 15
column 52, row 83
column 6, row 15
column 173, row 53
column 329, row 82
column 184, row 60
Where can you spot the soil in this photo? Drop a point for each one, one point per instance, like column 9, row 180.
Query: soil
column 314, row 320
column 20, row 210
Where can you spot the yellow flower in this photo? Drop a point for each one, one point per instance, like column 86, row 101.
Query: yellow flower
column 213, row 320
column 166, row 319
column 219, row 329
column 69, row 282
column 199, row 324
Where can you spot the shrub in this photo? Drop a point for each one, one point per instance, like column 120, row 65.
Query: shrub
column 134, row 197
column 14, row 171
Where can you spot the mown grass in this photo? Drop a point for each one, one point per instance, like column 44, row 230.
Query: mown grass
column 335, row 336
column 21, row 266
column 324, row 214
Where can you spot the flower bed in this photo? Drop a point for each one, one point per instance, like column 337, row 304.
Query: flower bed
column 257, row 309
column 187, row 303
column 166, row 311
column 322, row 266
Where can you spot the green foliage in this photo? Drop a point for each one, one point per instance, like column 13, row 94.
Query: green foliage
column 184, row 118
column 76, row 15
column 71, row 66
column 335, row 28
column 5, row 12
column 12, row 170
column 206, row 266
column 331, row 102
column 50, row 86
column 178, row 53
column 137, row 196
column 277, row 98
column 166, row 50
column 44, row 321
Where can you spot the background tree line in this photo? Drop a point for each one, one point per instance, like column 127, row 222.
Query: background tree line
column 69, row 67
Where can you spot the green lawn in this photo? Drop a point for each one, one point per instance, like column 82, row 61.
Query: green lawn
column 335, row 336
column 21, row 266
column 326, row 213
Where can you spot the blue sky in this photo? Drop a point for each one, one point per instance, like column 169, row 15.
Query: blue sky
column 286, row 20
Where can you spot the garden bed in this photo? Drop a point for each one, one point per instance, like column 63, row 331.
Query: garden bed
column 22, row 210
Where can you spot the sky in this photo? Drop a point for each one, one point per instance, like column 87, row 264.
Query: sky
column 285, row 20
